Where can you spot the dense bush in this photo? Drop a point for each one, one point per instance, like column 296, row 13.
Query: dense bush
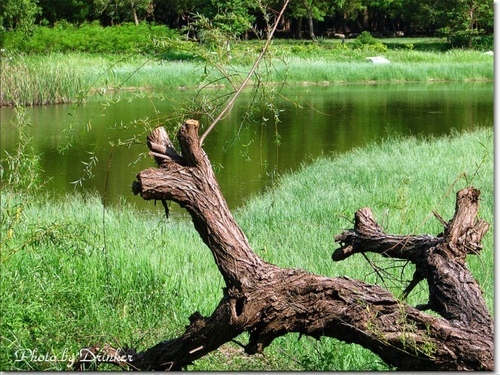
column 365, row 41
column 90, row 37
column 470, row 39
column 465, row 40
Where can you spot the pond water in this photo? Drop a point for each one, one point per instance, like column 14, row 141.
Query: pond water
column 314, row 121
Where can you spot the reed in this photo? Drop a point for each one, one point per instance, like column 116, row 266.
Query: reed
column 58, row 78
column 62, row 78
column 83, row 273
column 405, row 65
column 51, row 79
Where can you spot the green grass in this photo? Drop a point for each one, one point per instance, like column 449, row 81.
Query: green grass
column 61, row 78
column 75, row 274
column 401, row 180
column 413, row 66
column 416, row 43
column 81, row 283
column 58, row 78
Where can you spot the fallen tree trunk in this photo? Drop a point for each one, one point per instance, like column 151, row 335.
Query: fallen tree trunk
column 267, row 301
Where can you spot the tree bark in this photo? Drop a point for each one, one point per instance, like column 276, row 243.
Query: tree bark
column 267, row 301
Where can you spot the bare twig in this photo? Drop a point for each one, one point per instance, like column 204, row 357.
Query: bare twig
column 249, row 75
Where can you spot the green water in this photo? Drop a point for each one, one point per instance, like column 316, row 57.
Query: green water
column 314, row 121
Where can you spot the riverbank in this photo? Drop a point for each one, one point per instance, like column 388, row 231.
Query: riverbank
column 61, row 78
column 75, row 274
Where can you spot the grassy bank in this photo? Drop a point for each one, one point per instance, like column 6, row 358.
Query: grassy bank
column 62, row 78
column 58, row 78
column 74, row 274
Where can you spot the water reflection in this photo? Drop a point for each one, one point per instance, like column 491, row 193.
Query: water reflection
column 314, row 121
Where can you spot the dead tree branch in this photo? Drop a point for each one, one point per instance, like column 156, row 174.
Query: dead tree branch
column 268, row 302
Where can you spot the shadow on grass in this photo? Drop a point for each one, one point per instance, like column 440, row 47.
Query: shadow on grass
column 418, row 44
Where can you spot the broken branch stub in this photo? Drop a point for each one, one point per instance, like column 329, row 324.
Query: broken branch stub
column 188, row 179
column 440, row 260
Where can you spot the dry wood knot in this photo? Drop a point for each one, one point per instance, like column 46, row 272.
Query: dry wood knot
column 196, row 319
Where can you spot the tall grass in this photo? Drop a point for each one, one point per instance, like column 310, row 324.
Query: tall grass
column 405, row 65
column 57, row 78
column 99, row 276
column 403, row 181
column 115, row 275
column 50, row 79
column 61, row 78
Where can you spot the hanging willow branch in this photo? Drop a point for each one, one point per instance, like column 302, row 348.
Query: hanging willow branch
column 249, row 75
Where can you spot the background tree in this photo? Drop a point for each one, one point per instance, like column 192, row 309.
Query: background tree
column 18, row 14
column 175, row 13
column 73, row 11
column 383, row 14
column 142, row 7
column 232, row 16
column 311, row 10
column 118, row 11
column 461, row 21
column 465, row 23
column 347, row 11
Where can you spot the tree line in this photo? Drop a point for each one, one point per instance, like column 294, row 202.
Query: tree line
column 459, row 20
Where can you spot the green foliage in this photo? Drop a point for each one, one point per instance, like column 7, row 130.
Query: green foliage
column 237, row 17
column 74, row 11
column 434, row 44
column 225, row 68
column 333, row 355
column 366, row 38
column 483, row 42
column 119, row 11
column 232, row 16
column 310, row 50
column 463, row 22
column 42, row 80
column 19, row 176
column 92, row 283
column 310, row 10
column 467, row 38
column 109, row 12
column 62, row 78
column 18, row 14
column 233, row 23
column 20, row 182
column 89, row 38
column 365, row 41
column 401, row 198
column 214, row 38
column 19, row 171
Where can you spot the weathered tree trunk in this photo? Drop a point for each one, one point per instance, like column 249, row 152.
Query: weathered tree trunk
column 267, row 301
